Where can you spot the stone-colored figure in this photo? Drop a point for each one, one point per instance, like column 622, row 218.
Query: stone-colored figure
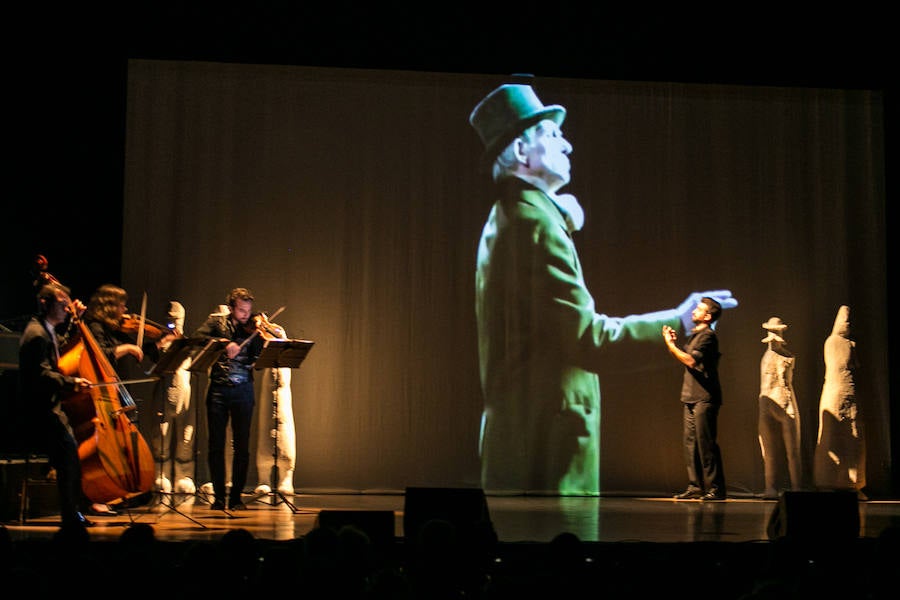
column 779, row 417
column 275, row 392
column 174, row 445
column 840, row 457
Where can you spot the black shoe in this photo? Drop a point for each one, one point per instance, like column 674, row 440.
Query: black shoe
column 218, row 505
column 83, row 520
column 237, row 506
column 713, row 496
column 689, row 494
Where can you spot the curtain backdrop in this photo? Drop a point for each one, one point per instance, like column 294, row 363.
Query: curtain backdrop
column 355, row 198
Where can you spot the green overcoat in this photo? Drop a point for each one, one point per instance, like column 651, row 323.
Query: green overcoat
column 540, row 341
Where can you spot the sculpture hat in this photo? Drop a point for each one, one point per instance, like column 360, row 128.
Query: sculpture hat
column 508, row 111
column 774, row 326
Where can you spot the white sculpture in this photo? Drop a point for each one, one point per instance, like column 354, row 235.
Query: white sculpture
column 275, row 426
column 779, row 417
column 840, row 457
column 174, row 446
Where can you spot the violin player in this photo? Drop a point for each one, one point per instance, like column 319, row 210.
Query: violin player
column 41, row 385
column 230, row 396
column 115, row 330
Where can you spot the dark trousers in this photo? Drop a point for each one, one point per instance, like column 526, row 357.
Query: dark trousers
column 701, row 450
column 62, row 454
column 234, row 403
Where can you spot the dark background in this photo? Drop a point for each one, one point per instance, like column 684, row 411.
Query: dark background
column 67, row 78
column 67, row 72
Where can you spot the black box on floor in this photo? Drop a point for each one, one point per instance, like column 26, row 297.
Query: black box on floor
column 41, row 500
column 377, row 524
column 465, row 508
column 827, row 515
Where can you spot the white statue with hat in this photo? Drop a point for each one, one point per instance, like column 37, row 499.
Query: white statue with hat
column 540, row 339
column 779, row 416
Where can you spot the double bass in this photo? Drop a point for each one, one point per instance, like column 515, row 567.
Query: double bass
column 116, row 461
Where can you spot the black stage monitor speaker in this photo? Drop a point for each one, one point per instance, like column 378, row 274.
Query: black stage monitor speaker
column 377, row 524
column 830, row 515
column 463, row 507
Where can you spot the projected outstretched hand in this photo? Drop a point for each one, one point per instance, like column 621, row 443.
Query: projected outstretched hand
column 684, row 309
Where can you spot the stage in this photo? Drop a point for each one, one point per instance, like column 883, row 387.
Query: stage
column 514, row 518
column 625, row 547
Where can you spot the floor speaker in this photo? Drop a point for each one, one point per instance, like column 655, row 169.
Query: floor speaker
column 40, row 496
column 377, row 524
column 815, row 515
column 463, row 507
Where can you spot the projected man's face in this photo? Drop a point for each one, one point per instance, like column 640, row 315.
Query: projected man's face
column 547, row 156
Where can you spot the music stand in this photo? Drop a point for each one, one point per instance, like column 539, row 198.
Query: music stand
column 178, row 351
column 278, row 354
column 203, row 353
column 208, row 355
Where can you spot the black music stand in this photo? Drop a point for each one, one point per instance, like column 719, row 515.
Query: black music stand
column 208, row 355
column 278, row 354
column 203, row 353
column 179, row 350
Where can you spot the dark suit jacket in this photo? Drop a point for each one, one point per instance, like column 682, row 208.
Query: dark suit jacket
column 40, row 382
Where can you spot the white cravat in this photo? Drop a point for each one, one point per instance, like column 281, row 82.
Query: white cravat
column 571, row 209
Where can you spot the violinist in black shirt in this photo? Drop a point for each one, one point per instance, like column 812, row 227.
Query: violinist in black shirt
column 231, row 394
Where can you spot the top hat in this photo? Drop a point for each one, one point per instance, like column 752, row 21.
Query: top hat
column 508, row 111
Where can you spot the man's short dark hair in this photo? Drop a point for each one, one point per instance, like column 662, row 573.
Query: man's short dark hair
column 238, row 294
column 713, row 308
column 46, row 296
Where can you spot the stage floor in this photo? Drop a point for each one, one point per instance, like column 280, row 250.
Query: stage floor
column 515, row 518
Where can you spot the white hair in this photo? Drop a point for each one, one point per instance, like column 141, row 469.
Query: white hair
column 506, row 162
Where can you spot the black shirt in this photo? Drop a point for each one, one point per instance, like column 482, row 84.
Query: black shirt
column 237, row 370
column 701, row 383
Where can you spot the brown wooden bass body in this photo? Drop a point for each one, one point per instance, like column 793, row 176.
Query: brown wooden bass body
column 116, row 461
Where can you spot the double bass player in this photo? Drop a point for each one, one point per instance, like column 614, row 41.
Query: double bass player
column 41, row 387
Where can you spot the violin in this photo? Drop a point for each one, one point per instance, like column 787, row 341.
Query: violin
column 261, row 323
column 152, row 331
